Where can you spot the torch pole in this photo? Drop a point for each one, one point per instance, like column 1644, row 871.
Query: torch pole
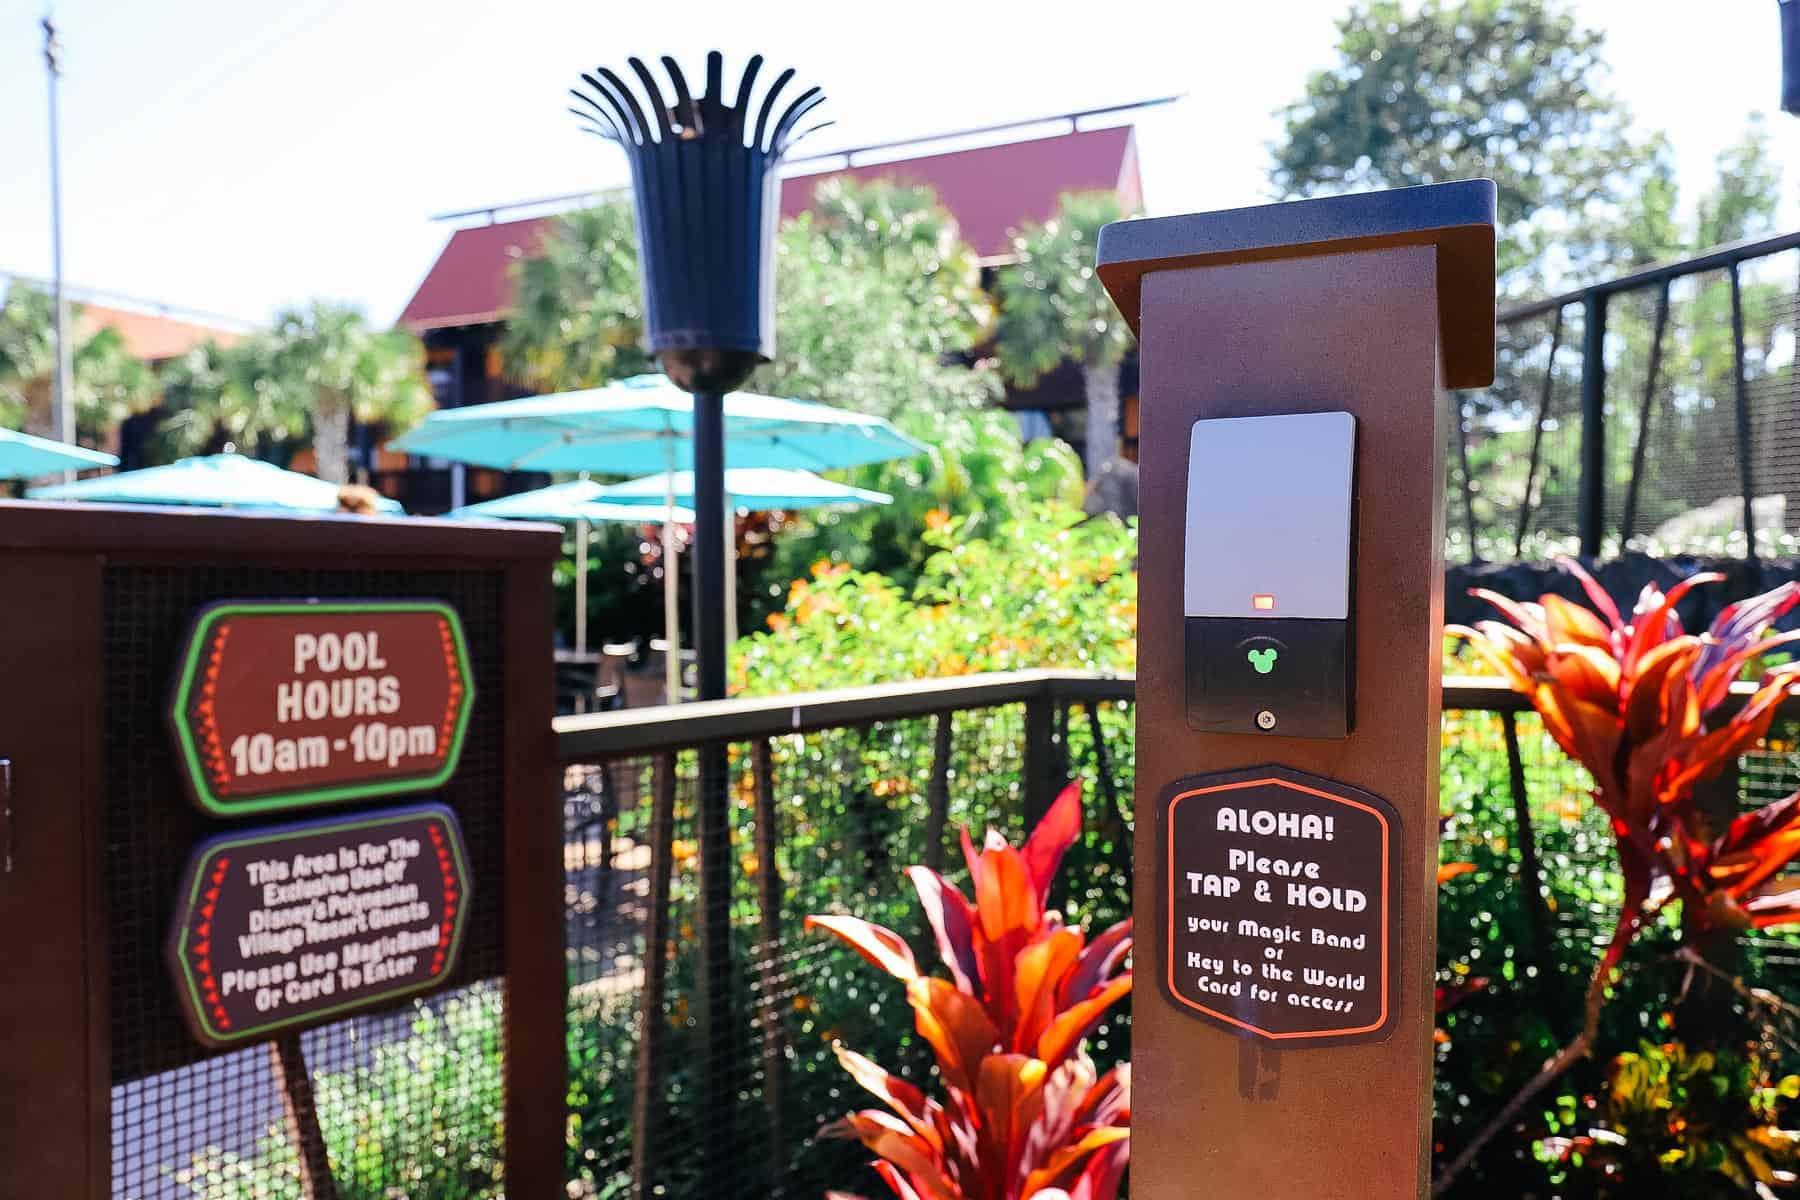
column 716, row 1024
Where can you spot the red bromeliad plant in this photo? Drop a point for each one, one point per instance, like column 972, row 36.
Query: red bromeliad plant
column 1026, row 1115
column 1638, row 703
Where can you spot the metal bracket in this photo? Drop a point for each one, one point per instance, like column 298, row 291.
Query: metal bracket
column 6, row 815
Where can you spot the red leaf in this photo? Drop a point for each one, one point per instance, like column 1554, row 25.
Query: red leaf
column 1052, row 838
column 1074, row 1023
column 907, row 1101
column 953, row 922
column 1597, row 595
column 957, row 1027
column 1069, row 1161
column 1097, row 961
column 883, row 947
column 1449, row 871
column 1005, row 900
column 1037, row 973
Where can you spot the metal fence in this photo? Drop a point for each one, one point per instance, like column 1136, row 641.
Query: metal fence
column 1653, row 412
column 831, row 796
column 828, row 798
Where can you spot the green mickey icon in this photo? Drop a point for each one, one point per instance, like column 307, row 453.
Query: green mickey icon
column 1263, row 660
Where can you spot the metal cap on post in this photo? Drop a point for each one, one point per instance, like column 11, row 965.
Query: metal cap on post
column 1288, row 701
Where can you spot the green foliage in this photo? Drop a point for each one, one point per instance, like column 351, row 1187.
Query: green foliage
column 624, row 589
column 1675, row 1123
column 110, row 382
column 1509, row 89
column 977, row 472
column 1053, row 308
column 1051, row 589
column 419, row 1115
column 326, row 358
column 1052, row 304
column 579, row 314
column 876, row 299
column 229, row 397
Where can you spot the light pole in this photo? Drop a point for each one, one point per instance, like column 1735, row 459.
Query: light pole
column 65, row 374
column 707, row 198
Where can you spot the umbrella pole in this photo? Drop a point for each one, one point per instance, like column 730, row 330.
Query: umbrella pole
column 581, row 581
column 671, row 601
column 731, row 562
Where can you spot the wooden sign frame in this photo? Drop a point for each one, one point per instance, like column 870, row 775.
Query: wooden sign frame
column 199, row 660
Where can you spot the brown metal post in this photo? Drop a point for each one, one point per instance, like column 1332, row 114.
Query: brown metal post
column 1363, row 304
column 647, row 1097
column 1040, row 766
column 55, row 1053
column 289, row 1062
column 1537, row 435
column 768, row 897
column 537, row 1054
column 1530, row 876
column 937, row 810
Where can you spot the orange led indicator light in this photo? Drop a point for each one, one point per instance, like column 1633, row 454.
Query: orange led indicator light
column 1263, row 601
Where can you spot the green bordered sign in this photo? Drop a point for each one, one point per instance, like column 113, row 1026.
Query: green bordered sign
column 298, row 924
column 281, row 704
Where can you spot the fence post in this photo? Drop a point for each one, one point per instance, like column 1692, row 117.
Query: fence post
column 1040, row 757
column 1628, row 523
column 1530, row 876
column 1591, row 516
column 1705, row 1014
column 1537, row 435
column 937, row 810
column 768, row 895
column 646, row 1098
column 1741, row 388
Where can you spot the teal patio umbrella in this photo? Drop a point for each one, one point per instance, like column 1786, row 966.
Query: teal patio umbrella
column 23, row 456
column 209, row 481
column 575, row 504
column 643, row 424
column 747, row 489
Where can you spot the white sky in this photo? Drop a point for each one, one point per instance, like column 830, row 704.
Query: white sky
column 237, row 155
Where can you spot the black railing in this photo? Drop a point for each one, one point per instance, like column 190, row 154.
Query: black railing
column 831, row 795
column 1652, row 411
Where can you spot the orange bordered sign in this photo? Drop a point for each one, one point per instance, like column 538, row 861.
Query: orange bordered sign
column 282, row 704
column 1279, row 913
column 298, row 924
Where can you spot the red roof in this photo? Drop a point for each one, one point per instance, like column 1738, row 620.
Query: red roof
column 990, row 190
column 152, row 337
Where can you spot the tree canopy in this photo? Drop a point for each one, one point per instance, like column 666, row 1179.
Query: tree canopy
column 1510, row 89
column 110, row 382
column 1053, row 307
column 877, row 302
column 578, row 318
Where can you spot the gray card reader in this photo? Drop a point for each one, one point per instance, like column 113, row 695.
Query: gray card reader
column 1267, row 574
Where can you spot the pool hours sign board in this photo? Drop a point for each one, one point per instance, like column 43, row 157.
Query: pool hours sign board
column 282, row 704
column 1280, row 907
column 278, row 927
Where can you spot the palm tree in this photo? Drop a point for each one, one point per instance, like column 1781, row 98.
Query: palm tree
column 228, row 398
column 579, row 314
column 1052, row 308
column 326, row 357
column 878, row 301
column 110, row 382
